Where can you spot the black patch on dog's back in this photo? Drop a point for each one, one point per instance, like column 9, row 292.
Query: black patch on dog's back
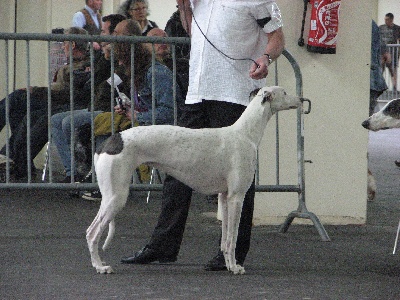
column 393, row 109
column 112, row 146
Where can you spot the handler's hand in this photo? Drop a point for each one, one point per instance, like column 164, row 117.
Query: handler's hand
column 260, row 71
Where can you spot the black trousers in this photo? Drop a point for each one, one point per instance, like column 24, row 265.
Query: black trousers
column 168, row 234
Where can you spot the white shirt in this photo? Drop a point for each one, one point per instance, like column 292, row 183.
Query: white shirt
column 79, row 20
column 232, row 27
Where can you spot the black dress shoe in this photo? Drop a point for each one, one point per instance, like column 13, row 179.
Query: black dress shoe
column 217, row 263
column 148, row 255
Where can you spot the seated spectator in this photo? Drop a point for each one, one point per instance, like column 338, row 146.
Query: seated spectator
column 138, row 10
column 163, row 55
column 143, row 110
column 61, row 122
column 60, row 101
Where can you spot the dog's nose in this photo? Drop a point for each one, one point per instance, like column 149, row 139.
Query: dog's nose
column 365, row 124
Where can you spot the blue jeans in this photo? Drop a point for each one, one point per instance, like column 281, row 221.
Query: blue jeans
column 61, row 133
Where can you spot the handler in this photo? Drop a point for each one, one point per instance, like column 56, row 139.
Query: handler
column 232, row 45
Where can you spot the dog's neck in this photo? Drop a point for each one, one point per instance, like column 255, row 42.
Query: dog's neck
column 254, row 120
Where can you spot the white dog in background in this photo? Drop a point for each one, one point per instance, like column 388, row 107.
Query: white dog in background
column 388, row 117
column 211, row 161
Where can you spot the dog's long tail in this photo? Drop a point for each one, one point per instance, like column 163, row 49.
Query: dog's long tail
column 110, row 235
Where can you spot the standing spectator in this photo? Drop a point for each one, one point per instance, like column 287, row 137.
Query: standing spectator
column 377, row 82
column 138, row 10
column 174, row 28
column 390, row 34
column 219, row 89
column 89, row 18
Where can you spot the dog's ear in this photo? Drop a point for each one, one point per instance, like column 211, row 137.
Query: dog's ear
column 253, row 94
column 267, row 97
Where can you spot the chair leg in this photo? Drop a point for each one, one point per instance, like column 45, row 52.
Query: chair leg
column 46, row 161
column 154, row 172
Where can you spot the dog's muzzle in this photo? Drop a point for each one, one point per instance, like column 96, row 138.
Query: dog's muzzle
column 365, row 124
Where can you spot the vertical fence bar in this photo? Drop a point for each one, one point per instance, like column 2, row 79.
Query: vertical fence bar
column 71, row 107
column 7, row 110
column 28, row 110
column 49, row 158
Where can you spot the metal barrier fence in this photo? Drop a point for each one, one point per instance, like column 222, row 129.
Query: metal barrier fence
column 6, row 38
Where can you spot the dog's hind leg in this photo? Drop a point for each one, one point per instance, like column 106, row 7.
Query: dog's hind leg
column 105, row 217
column 234, row 209
column 113, row 180
column 93, row 235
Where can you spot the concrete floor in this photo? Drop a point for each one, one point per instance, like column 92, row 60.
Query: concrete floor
column 44, row 254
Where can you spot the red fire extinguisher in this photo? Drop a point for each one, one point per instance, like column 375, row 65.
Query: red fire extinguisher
column 324, row 24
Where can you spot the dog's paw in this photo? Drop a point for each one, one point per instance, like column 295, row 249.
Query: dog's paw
column 236, row 269
column 104, row 270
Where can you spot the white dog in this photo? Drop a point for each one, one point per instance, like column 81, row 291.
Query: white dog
column 388, row 117
column 219, row 160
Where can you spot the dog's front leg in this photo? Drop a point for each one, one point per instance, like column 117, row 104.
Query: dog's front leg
column 234, row 209
column 222, row 201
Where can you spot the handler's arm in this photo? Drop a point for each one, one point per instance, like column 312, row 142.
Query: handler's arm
column 275, row 46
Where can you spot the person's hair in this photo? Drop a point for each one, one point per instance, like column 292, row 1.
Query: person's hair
column 142, row 56
column 80, row 45
column 114, row 19
column 390, row 15
column 124, row 7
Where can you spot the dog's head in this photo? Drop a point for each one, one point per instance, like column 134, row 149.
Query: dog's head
column 277, row 98
column 388, row 117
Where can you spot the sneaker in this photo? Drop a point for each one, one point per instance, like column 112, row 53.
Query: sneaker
column 92, row 196
column 3, row 161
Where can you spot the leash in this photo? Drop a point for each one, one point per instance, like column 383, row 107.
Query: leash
column 212, row 44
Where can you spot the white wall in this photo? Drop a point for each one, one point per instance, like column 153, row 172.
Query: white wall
column 386, row 6
column 338, row 86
